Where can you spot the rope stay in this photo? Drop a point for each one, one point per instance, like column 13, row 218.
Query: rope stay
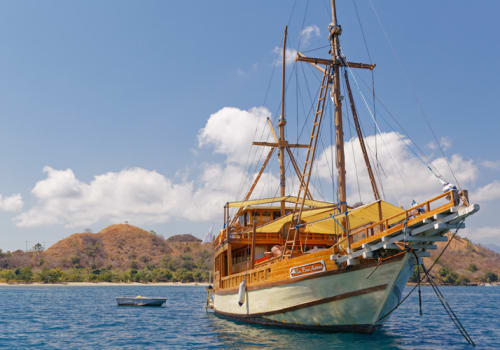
column 436, row 290
column 417, row 99
column 428, row 166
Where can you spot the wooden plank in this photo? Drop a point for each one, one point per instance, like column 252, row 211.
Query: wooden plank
column 262, row 143
column 361, row 139
column 280, row 143
column 249, row 193
column 297, row 170
column 229, row 259
column 400, row 226
column 329, row 62
column 252, row 255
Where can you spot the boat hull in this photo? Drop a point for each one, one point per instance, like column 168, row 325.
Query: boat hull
column 133, row 301
column 352, row 300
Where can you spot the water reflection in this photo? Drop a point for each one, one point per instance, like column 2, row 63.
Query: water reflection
column 234, row 334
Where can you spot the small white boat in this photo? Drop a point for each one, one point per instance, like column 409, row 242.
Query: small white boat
column 140, row 301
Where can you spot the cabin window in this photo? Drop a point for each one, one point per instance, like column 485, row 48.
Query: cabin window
column 243, row 219
column 276, row 214
column 265, row 217
column 259, row 252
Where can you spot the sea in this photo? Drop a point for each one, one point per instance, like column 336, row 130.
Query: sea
column 87, row 317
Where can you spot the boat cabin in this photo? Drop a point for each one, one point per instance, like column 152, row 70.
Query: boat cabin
column 237, row 248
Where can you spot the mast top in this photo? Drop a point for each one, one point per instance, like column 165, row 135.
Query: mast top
column 334, row 13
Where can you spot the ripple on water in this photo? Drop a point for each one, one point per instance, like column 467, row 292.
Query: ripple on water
column 87, row 318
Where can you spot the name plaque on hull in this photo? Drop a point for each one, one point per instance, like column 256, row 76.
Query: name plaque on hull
column 307, row 269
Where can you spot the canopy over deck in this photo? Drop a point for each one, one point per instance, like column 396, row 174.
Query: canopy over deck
column 328, row 221
column 289, row 199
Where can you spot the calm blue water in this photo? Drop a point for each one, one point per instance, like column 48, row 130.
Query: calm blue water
column 88, row 318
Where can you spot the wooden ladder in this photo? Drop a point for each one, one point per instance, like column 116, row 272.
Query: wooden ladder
column 291, row 243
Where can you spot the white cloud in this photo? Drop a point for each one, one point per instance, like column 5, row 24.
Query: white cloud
column 244, row 72
column 444, row 142
column 488, row 192
column 308, row 32
column 483, row 235
column 290, row 56
column 231, row 132
column 131, row 194
column 11, row 203
column 489, row 164
column 137, row 195
column 146, row 196
column 404, row 177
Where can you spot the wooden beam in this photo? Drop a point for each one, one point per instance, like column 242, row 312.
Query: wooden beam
column 279, row 144
column 360, row 65
column 272, row 130
column 297, row 171
column 297, row 145
column 318, row 67
column 249, row 193
column 229, row 259
column 281, row 126
column 328, row 62
column 252, row 255
column 262, row 143
column 361, row 139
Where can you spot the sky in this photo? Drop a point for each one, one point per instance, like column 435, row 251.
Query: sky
column 143, row 111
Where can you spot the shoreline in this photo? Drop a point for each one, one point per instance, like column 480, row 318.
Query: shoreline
column 186, row 284
column 102, row 284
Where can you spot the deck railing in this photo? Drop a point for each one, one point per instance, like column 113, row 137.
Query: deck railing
column 367, row 233
column 397, row 222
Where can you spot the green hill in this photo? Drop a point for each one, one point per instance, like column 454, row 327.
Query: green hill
column 117, row 253
column 127, row 253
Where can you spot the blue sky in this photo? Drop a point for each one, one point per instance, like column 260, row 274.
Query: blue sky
column 126, row 88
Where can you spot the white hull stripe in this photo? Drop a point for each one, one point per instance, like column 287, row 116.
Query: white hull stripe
column 311, row 303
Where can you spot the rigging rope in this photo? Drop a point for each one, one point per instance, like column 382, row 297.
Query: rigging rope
column 417, row 99
column 440, row 296
column 351, row 140
column 375, row 122
column 438, row 176
column 421, row 157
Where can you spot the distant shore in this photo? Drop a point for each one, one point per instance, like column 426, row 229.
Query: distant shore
column 91, row 284
column 186, row 284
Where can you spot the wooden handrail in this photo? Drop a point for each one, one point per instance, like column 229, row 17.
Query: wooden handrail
column 409, row 217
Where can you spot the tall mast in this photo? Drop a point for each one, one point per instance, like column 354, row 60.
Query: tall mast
column 281, row 126
column 335, row 31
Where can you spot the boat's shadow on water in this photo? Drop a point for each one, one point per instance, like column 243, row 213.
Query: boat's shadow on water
column 238, row 334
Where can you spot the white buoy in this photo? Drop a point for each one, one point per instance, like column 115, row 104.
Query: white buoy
column 241, row 292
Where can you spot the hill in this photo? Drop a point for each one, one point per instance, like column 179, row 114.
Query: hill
column 464, row 262
column 127, row 253
column 117, row 253
column 184, row 238
column 116, row 246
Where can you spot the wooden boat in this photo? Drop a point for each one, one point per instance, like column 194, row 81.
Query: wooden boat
column 292, row 261
column 140, row 301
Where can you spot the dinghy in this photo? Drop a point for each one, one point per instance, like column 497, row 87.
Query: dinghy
column 140, row 301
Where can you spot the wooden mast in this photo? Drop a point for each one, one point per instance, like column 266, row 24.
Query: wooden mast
column 335, row 31
column 281, row 126
column 281, row 143
column 361, row 139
